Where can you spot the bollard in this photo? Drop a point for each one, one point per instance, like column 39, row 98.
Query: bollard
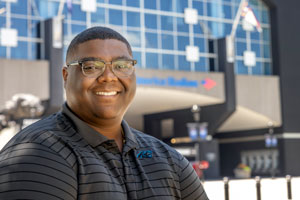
column 289, row 186
column 258, row 193
column 226, row 187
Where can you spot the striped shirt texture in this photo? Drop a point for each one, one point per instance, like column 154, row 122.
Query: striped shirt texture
column 61, row 157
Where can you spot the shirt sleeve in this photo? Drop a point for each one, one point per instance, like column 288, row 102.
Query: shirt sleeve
column 34, row 171
column 190, row 185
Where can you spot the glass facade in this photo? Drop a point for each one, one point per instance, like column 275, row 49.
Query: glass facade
column 155, row 28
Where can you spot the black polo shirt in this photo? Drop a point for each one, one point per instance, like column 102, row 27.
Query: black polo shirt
column 61, row 157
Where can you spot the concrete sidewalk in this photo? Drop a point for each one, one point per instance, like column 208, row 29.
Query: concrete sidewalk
column 245, row 189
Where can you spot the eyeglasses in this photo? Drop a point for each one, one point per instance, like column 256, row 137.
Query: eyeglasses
column 93, row 67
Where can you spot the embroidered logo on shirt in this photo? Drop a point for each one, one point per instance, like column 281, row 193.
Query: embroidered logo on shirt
column 144, row 154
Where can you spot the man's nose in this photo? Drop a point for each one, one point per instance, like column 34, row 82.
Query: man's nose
column 108, row 74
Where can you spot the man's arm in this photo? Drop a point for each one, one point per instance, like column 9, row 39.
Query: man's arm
column 33, row 171
column 190, row 185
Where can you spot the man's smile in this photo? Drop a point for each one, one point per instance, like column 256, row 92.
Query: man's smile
column 112, row 93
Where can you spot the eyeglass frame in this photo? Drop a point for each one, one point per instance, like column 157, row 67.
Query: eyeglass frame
column 80, row 62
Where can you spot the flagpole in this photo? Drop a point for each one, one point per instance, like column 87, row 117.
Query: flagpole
column 60, row 8
column 237, row 19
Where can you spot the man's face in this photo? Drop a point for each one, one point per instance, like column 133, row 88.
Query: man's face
column 103, row 97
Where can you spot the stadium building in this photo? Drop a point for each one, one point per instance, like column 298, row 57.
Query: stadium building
column 226, row 100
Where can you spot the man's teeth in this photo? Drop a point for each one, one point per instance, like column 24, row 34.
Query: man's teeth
column 106, row 93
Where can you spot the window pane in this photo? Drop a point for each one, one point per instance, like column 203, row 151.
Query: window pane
column 150, row 4
column 217, row 29
column 166, row 5
column 198, row 28
column 181, row 26
column 137, row 56
column 167, row 41
column 133, row 19
column 20, row 7
column 115, row 17
column 201, row 65
column 241, row 68
column 227, row 12
column 168, row 61
column 257, row 69
column 182, row 42
column 151, row 40
column 266, row 34
column 117, row 2
column 133, row 3
column 256, row 48
column 20, row 52
column 152, row 60
column 99, row 16
column 265, row 17
column 20, row 25
column 167, row 23
column 181, row 5
column 267, row 51
column 267, row 68
column 200, row 43
column 2, row 52
column 134, row 38
column 199, row 6
column 240, row 48
column 150, row 21
column 255, row 35
column 240, row 33
column 183, row 64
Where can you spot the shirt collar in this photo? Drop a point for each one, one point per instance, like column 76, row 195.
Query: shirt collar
column 95, row 138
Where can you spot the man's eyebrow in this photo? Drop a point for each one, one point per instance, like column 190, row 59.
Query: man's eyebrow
column 99, row 58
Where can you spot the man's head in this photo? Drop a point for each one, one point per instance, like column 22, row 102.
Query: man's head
column 96, row 91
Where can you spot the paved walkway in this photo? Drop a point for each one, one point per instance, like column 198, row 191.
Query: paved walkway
column 271, row 189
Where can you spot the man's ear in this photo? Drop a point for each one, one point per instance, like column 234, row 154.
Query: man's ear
column 65, row 74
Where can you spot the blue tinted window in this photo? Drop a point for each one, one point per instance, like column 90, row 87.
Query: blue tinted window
column 227, row 12
column 257, row 69
column 266, row 51
column 198, row 28
column 117, row 2
column 241, row 68
column 181, row 26
column 183, row 64
column 267, row 68
column 150, row 4
column 201, row 65
column 181, row 5
column 100, row 1
column 255, row 35
column 20, row 7
column 34, row 50
column 77, row 29
column 266, row 34
column 217, row 29
column 20, row 25
column 20, row 52
column 99, row 16
column 167, row 41
column 152, row 60
column 265, row 17
column 214, row 10
column 199, row 6
column 166, row 5
column 151, row 40
column 167, row 23
column 256, row 48
column 115, row 17
column 240, row 48
column 240, row 33
column 168, row 61
column 2, row 52
column 150, row 21
column 137, row 56
column 49, row 9
column 133, row 19
column 182, row 42
column 200, row 43
column 77, row 13
column 133, row 3
column 134, row 38
column 227, row 28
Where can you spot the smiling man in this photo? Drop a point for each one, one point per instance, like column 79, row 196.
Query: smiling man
column 87, row 151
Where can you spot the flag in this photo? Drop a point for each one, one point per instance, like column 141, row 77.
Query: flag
column 249, row 16
column 69, row 6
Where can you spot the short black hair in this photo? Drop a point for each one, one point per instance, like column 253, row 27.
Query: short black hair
column 97, row 32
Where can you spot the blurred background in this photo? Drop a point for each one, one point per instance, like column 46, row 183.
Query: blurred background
column 217, row 79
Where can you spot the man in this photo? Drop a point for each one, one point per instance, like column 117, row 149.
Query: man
column 87, row 151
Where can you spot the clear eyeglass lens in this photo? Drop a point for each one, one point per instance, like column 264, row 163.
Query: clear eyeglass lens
column 96, row 68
